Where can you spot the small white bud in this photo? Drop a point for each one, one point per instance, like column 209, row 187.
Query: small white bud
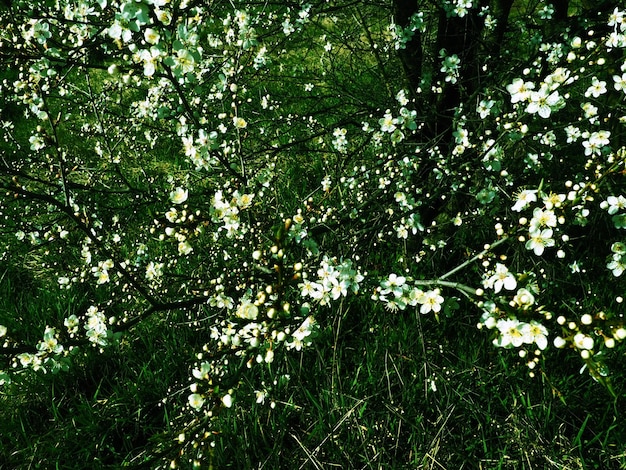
column 227, row 400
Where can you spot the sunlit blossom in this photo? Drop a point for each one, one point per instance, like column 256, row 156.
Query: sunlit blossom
column 431, row 301
column 543, row 218
column 227, row 400
column 513, row 333
column 620, row 82
column 179, row 195
column 539, row 240
column 615, row 203
column 524, row 198
column 394, row 284
column 195, row 401
column 539, row 334
column 126, row 109
column 520, row 90
column 543, row 102
column 502, row 278
column 596, row 89
column 617, row 265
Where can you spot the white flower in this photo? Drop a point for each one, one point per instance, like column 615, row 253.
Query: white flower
column 338, row 289
column 203, row 372
column 195, row 401
column 260, row 396
column 573, row 133
column 596, row 89
column 524, row 198
column 524, row 298
column 101, row 274
column 311, row 289
column 620, row 82
column 596, row 141
column 502, row 278
column 154, row 270
column 513, row 333
column 617, row 19
column 617, row 265
column 227, row 400
column 164, row 16
column 543, row 103
column 401, row 97
column 179, row 195
column 184, row 248
column 149, row 57
column 151, row 36
column 543, row 218
column 326, row 183
column 589, row 110
column 539, row 240
column 340, row 143
column 519, row 90
column 36, row 142
column 247, row 310
column 393, row 285
column 582, row 341
column 615, row 204
column 431, row 301
column 539, row 334
column 484, row 108
column 618, row 248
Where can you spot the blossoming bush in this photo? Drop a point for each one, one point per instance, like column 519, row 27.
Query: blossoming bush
column 243, row 173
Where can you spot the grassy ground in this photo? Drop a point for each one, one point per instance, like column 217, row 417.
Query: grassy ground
column 380, row 390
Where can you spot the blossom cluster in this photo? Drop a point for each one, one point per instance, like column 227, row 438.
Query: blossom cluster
column 579, row 334
column 396, row 292
column 50, row 355
column 515, row 333
column 227, row 211
column 544, row 221
column 334, row 280
column 401, row 36
column 544, row 101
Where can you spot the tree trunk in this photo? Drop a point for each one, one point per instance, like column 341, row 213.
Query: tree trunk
column 412, row 55
column 460, row 36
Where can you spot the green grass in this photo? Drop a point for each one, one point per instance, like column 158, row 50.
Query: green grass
column 361, row 398
column 362, row 401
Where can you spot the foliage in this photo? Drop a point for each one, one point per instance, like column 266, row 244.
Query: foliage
column 277, row 225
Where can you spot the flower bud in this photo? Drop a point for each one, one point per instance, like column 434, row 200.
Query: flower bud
column 586, row 319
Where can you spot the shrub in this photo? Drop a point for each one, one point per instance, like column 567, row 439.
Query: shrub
column 216, row 186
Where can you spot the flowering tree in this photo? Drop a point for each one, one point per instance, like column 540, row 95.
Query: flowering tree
column 238, row 170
